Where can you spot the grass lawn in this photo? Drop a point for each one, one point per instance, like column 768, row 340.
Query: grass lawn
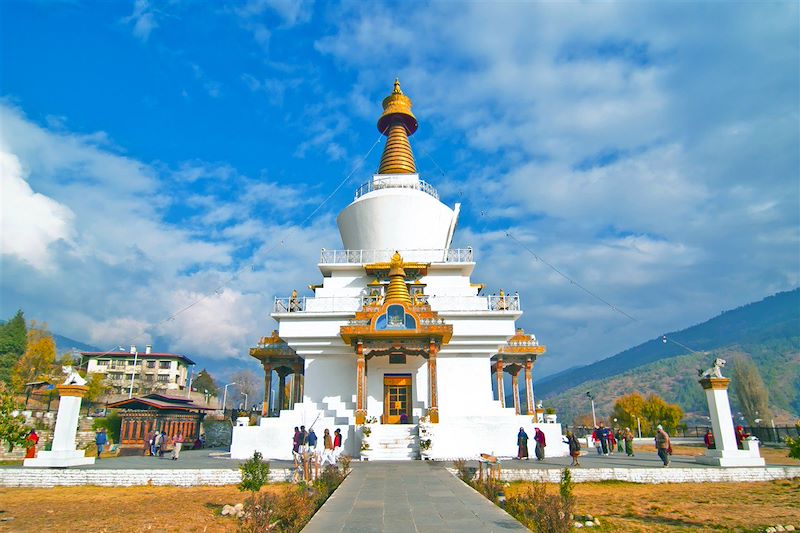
column 678, row 507
column 120, row 509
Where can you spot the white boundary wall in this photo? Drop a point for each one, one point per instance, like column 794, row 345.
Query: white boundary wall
column 29, row 477
column 653, row 475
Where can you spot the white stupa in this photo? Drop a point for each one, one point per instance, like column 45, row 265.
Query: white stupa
column 396, row 336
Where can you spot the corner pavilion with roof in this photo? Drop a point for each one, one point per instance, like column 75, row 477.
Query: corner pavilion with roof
column 397, row 334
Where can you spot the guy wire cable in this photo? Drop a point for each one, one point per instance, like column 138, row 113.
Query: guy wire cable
column 279, row 241
column 483, row 216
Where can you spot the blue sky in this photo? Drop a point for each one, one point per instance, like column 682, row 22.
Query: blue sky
column 149, row 150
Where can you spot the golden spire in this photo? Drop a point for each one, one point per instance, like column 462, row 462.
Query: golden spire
column 397, row 290
column 397, row 122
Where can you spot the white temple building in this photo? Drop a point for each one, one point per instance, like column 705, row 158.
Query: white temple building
column 397, row 338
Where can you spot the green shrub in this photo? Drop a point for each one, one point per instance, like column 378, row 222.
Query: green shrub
column 255, row 473
column 344, row 463
column 465, row 473
column 794, row 444
column 112, row 423
column 287, row 512
column 540, row 511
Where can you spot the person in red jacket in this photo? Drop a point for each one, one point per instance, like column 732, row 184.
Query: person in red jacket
column 30, row 444
column 540, row 444
column 708, row 439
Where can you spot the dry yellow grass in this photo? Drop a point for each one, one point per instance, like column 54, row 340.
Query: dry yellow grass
column 120, row 509
column 679, row 507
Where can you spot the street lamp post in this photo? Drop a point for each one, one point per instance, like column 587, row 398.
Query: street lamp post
column 245, row 401
column 639, row 425
column 225, row 395
column 135, row 353
column 594, row 418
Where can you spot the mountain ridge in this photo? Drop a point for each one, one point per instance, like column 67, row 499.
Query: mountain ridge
column 776, row 316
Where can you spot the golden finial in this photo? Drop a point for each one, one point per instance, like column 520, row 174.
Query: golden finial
column 397, row 122
column 397, row 291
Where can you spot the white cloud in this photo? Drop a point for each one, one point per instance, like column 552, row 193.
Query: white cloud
column 143, row 19
column 120, row 267
column 29, row 221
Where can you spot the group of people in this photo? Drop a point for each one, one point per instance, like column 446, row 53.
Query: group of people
column 522, row 444
column 605, row 440
column 306, row 442
column 156, row 444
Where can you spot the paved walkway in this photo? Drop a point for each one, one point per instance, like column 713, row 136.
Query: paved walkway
column 408, row 496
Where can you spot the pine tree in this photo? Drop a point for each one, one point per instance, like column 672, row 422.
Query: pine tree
column 13, row 336
column 204, row 382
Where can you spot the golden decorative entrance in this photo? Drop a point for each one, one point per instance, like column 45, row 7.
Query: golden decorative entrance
column 396, row 399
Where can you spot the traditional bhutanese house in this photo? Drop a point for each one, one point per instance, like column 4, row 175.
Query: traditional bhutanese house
column 172, row 415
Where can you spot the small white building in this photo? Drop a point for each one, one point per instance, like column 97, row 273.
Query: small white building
column 150, row 371
column 397, row 338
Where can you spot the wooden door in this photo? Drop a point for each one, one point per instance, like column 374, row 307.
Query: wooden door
column 396, row 399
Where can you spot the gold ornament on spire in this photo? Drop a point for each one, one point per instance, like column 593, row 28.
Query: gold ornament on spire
column 397, row 290
column 397, row 122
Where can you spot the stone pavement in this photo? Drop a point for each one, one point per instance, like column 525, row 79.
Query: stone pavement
column 408, row 496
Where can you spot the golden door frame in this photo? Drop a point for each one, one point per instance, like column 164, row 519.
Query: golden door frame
column 397, row 398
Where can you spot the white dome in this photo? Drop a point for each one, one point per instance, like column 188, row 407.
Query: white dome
column 399, row 213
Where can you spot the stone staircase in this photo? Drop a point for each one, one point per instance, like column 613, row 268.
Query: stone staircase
column 393, row 442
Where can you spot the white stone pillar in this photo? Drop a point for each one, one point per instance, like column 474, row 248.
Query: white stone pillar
column 726, row 453
column 63, row 453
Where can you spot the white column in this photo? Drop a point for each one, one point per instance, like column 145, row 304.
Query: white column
column 726, row 452
column 63, row 451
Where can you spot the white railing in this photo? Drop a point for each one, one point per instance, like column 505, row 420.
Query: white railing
column 475, row 303
column 362, row 257
column 390, row 183
column 351, row 304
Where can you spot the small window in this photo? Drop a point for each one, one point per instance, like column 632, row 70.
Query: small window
column 129, row 362
column 102, row 362
column 151, row 364
column 164, row 364
column 164, row 378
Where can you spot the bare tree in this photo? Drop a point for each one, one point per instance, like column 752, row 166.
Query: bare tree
column 750, row 390
column 247, row 382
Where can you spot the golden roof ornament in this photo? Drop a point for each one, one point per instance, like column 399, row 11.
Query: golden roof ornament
column 397, row 291
column 397, row 122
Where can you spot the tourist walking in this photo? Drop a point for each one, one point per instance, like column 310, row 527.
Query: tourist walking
column 628, row 442
column 337, row 442
column 312, row 439
column 612, row 441
column 327, row 443
column 161, row 444
column 297, row 440
column 538, row 436
column 620, row 437
column 303, row 439
column 574, row 448
column 522, row 444
column 602, row 435
column 708, row 439
column 100, row 440
column 740, row 436
column 596, row 440
column 663, row 445
column 30, row 444
column 176, row 447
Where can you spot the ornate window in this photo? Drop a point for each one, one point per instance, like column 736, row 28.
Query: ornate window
column 395, row 318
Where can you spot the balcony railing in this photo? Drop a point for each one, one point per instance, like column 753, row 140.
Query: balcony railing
column 363, row 257
column 351, row 304
column 394, row 183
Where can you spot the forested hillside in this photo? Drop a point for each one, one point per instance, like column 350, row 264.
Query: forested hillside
column 675, row 380
column 775, row 319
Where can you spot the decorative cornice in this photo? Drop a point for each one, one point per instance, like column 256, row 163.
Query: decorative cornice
column 78, row 391
column 715, row 383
